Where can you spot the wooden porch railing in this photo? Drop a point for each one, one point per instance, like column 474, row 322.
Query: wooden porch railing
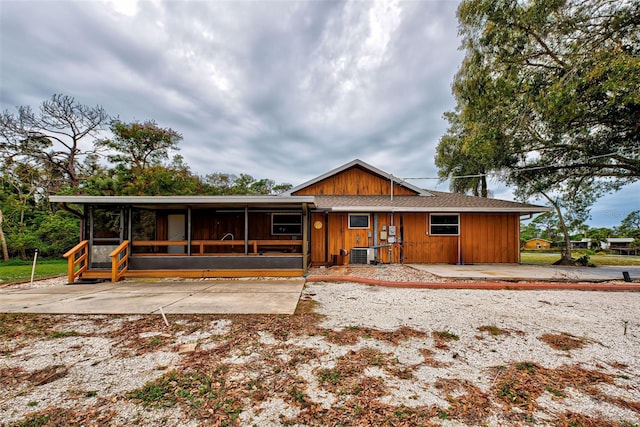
column 77, row 257
column 254, row 245
column 119, row 261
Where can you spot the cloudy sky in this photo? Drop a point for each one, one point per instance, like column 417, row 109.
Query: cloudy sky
column 285, row 90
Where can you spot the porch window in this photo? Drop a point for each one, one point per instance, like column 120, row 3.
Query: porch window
column 107, row 225
column 287, row 224
column 445, row 225
column 359, row 221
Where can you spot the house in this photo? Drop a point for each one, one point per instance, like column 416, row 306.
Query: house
column 621, row 245
column 583, row 243
column 355, row 213
column 537, row 243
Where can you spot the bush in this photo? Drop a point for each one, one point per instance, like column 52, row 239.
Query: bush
column 57, row 233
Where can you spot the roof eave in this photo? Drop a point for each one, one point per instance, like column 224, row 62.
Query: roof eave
column 521, row 210
column 184, row 200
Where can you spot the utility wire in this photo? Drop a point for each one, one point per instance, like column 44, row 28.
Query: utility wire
column 531, row 168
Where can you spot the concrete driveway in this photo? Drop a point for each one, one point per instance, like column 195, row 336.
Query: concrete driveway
column 206, row 297
column 529, row 272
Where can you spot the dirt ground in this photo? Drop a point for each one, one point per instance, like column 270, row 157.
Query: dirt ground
column 351, row 355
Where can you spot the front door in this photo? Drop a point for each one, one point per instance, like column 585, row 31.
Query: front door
column 318, row 239
column 176, row 232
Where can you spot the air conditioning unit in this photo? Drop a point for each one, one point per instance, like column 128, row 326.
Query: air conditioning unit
column 362, row 255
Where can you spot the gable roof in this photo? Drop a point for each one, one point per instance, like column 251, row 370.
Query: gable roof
column 367, row 167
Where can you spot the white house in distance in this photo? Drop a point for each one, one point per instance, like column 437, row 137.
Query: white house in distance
column 623, row 245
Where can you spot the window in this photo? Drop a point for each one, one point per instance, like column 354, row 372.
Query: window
column 359, row 221
column 445, row 224
column 286, row 224
column 107, row 225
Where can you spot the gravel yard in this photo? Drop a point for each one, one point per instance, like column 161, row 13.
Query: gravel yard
column 352, row 355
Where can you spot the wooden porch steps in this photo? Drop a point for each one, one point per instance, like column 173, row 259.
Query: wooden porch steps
column 195, row 274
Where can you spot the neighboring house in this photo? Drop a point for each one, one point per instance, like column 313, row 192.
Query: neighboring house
column 537, row 244
column 581, row 244
column 621, row 245
column 355, row 213
column 575, row 244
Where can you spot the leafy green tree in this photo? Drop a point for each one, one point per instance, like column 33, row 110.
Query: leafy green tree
column 547, row 96
column 136, row 146
column 598, row 236
column 159, row 180
column 630, row 227
column 56, row 233
column 218, row 183
column 229, row 184
column 456, row 161
column 547, row 223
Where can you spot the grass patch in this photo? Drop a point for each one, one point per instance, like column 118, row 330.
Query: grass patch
column 493, row 330
column 441, row 339
column 63, row 334
column 20, row 271
column 27, row 326
column 548, row 258
column 196, row 390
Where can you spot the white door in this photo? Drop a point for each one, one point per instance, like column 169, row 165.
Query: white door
column 175, row 231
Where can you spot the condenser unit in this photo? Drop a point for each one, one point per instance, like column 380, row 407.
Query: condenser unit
column 362, row 255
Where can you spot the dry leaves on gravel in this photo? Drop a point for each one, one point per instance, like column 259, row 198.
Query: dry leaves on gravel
column 318, row 374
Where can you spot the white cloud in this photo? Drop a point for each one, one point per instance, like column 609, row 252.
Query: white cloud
column 285, row 90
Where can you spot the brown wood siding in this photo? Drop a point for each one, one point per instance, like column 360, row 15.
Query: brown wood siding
column 420, row 247
column 354, row 181
column 490, row 237
column 484, row 238
column 341, row 237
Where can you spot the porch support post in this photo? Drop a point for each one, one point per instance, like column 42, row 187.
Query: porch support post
column 246, row 230
column 130, row 228
column 122, row 231
column 305, row 238
column 189, row 231
column 91, row 224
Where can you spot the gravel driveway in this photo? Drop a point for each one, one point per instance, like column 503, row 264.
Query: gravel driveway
column 351, row 355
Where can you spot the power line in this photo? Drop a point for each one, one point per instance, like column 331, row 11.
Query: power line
column 531, row 168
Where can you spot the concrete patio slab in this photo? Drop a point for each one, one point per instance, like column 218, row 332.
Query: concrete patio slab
column 235, row 303
column 527, row 272
column 213, row 297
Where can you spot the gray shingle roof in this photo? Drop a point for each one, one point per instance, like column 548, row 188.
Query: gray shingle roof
column 440, row 202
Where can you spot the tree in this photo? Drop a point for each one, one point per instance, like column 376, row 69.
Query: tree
column 159, row 180
column 53, row 139
column 139, row 145
column 547, row 96
column 229, row 184
column 630, row 226
column 455, row 161
column 598, row 236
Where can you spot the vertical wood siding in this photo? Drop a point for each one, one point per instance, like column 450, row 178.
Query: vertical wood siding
column 490, row 237
column 420, row 247
column 356, row 182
